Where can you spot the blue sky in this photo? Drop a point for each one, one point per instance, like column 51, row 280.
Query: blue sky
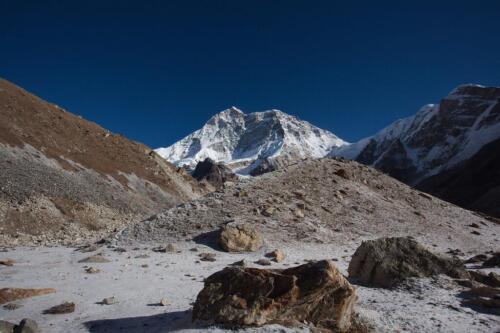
column 157, row 70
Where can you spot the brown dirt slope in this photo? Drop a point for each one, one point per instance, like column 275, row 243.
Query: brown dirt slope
column 58, row 168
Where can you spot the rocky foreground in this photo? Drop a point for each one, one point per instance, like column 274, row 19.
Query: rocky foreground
column 106, row 288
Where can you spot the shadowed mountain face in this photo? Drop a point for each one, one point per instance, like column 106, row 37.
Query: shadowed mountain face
column 443, row 148
column 63, row 174
column 473, row 184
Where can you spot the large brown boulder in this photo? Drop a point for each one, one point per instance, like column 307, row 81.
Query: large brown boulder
column 385, row 262
column 240, row 237
column 315, row 292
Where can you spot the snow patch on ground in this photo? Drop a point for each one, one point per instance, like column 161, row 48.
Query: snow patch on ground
column 139, row 283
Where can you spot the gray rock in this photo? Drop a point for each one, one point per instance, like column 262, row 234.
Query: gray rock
column 386, row 262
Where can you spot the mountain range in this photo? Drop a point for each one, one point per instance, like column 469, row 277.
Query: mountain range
column 444, row 148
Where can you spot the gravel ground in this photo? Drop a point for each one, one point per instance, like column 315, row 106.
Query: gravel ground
column 423, row 305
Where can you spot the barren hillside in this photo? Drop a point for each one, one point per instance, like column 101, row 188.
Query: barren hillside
column 62, row 175
column 323, row 201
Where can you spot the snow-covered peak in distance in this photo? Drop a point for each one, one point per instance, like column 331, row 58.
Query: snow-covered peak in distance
column 242, row 140
column 436, row 138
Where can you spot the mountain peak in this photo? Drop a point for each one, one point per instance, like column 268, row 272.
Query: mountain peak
column 244, row 140
column 475, row 90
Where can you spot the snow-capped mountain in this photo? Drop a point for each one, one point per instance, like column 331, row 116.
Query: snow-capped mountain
column 436, row 138
column 441, row 140
column 244, row 141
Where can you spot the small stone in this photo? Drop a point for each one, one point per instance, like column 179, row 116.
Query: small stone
column 142, row 256
column 12, row 307
column 66, row 307
column 7, row 262
column 299, row 213
column 207, row 256
column 263, row 262
column 98, row 258
column 88, row 248
column 276, row 255
column 169, row 248
column 120, row 250
column 476, row 259
column 92, row 270
column 268, row 211
column 164, row 302
column 109, row 301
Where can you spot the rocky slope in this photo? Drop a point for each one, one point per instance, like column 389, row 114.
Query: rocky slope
column 322, row 201
column 62, row 175
column 245, row 141
column 442, row 148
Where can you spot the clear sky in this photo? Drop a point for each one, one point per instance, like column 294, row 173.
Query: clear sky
column 157, row 70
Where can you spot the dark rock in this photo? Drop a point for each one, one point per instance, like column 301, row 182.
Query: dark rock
column 315, row 292
column 12, row 306
column 214, row 173
column 7, row 262
column 207, row 256
column 66, row 307
column 263, row 166
column 494, row 261
column 385, row 262
column 492, row 279
column 476, row 259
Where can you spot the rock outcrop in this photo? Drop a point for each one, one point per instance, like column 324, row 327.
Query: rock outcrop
column 240, row 237
column 315, row 292
column 216, row 174
column 386, row 262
